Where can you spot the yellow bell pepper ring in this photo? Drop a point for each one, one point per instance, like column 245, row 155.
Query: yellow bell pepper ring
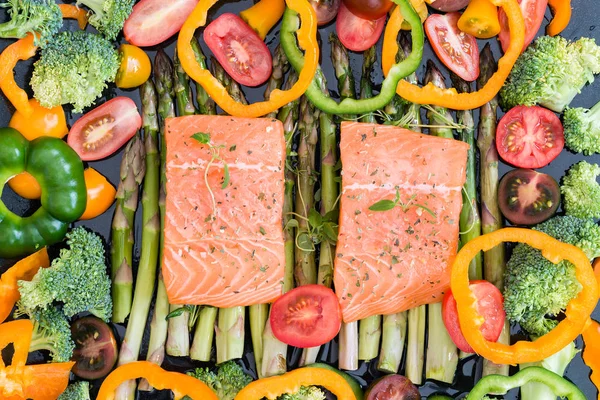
column 264, row 15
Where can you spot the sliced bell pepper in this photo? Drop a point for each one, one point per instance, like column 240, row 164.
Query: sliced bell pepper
column 500, row 384
column 480, row 19
column 561, row 12
column 577, row 313
column 307, row 38
column 596, row 266
column 396, row 73
column 591, row 351
column 23, row 270
column 291, row 382
column 450, row 98
column 70, row 11
column 158, row 378
column 264, row 15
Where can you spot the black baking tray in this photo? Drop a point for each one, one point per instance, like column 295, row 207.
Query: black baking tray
column 583, row 24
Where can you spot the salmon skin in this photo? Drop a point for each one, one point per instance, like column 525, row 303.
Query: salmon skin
column 229, row 252
column 391, row 261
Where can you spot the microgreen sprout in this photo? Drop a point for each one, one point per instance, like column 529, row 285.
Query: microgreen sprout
column 386, row 205
column 215, row 152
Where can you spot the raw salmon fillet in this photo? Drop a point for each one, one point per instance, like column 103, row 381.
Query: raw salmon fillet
column 391, row 261
column 230, row 253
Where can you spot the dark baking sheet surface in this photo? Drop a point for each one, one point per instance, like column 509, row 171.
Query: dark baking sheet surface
column 584, row 23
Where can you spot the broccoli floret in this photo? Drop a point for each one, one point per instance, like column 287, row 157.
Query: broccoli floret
column 551, row 72
column 581, row 191
column 535, row 288
column 108, row 16
column 74, row 68
column 76, row 391
column 229, row 379
column 78, row 279
column 305, row 393
column 582, row 129
column 28, row 16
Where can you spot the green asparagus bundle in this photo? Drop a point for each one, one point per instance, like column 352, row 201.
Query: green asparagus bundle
column 206, row 105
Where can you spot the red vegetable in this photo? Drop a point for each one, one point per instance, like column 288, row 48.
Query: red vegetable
column 356, row 33
column 533, row 12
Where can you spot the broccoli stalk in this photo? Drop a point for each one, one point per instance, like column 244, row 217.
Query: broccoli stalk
column 582, row 129
column 581, row 191
column 108, row 16
column 229, row 379
column 28, row 16
column 76, row 391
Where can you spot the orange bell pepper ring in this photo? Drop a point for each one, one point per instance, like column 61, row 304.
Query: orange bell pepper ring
column 70, row 11
column 591, row 351
column 307, row 39
column 264, row 15
column 158, row 378
column 576, row 315
column 450, row 98
column 23, row 270
column 561, row 12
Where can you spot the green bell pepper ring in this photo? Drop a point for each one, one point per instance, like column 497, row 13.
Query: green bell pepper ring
column 59, row 171
column 500, row 384
column 398, row 71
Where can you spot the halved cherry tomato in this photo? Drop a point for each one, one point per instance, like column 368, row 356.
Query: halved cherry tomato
column 153, row 21
column 457, row 50
column 25, row 185
column 490, row 305
column 135, row 67
column 356, row 33
column 533, row 12
column 43, row 122
column 100, row 194
column 307, row 316
column 95, row 351
column 529, row 137
column 369, row 9
column 448, row 5
column 102, row 131
column 239, row 50
column 392, row 387
column 326, row 10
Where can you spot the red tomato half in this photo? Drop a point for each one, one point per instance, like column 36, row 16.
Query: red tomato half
column 533, row 12
column 529, row 137
column 356, row 33
column 457, row 50
column 153, row 21
column 102, row 131
column 369, row 9
column 307, row 316
column 239, row 50
column 490, row 305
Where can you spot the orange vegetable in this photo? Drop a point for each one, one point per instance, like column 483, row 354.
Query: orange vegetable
column 100, row 194
column 561, row 11
column 450, row 98
column 264, row 15
column 135, row 67
column 307, row 39
column 480, row 19
column 71, row 11
column 576, row 315
column 591, row 351
column 23, row 270
column 597, row 270
column 158, row 378
column 26, row 186
column 42, row 122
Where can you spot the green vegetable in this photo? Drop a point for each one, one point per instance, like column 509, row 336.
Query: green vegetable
column 534, row 287
column 388, row 87
column 108, row 16
column 229, row 379
column 500, row 384
column 29, row 16
column 582, row 129
column 59, row 172
column 74, row 68
column 76, row 391
column 551, row 72
column 358, row 392
column 439, row 397
column 305, row 393
column 77, row 278
column 581, row 191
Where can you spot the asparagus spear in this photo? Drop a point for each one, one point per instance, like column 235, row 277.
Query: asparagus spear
column 494, row 261
column 206, row 105
column 392, row 345
column 280, row 68
column 183, row 94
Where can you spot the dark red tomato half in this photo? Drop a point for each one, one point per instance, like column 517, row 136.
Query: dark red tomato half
column 153, row 21
column 102, row 131
column 369, row 9
column 456, row 49
column 533, row 12
column 356, row 33
column 239, row 50
column 95, row 351
column 326, row 10
column 392, row 387
column 307, row 316
column 490, row 305
column 529, row 137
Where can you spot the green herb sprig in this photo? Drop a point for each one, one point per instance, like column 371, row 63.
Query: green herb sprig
column 215, row 151
column 386, row 205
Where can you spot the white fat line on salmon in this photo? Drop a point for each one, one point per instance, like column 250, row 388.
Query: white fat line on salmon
column 421, row 187
column 201, row 164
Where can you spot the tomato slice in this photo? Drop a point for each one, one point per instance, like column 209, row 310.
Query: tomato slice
column 529, row 137
column 307, row 316
column 356, row 33
column 369, row 9
column 95, row 351
column 239, row 50
column 490, row 305
column 326, row 10
column 533, row 12
column 102, row 131
column 153, row 21
column 457, row 50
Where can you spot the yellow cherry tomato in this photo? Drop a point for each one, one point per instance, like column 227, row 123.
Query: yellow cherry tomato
column 25, row 185
column 100, row 194
column 135, row 67
column 43, row 122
